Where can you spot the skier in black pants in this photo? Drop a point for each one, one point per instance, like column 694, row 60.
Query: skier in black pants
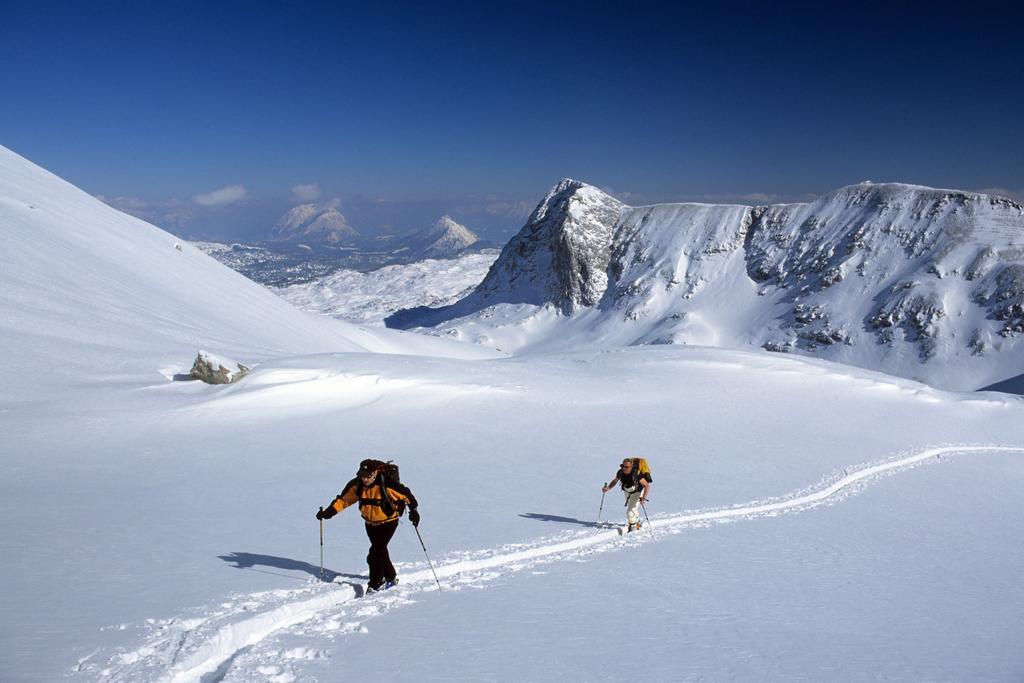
column 381, row 502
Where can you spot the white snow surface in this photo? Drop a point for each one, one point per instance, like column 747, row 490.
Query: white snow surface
column 808, row 521
column 368, row 298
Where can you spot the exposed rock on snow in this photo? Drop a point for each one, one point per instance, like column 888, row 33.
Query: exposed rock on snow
column 916, row 307
column 1003, row 296
column 214, row 369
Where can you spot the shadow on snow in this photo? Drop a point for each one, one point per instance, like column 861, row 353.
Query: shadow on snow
column 568, row 520
column 252, row 560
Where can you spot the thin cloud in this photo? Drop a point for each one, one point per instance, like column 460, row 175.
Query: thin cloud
column 170, row 214
column 520, row 208
column 634, row 198
column 746, row 198
column 749, row 198
column 759, row 197
column 225, row 196
column 307, row 193
column 126, row 204
column 1015, row 195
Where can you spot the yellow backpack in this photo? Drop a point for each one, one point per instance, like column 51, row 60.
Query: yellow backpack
column 642, row 469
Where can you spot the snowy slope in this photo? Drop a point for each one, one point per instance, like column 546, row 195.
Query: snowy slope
column 809, row 521
column 917, row 282
column 370, row 297
column 90, row 294
column 192, row 549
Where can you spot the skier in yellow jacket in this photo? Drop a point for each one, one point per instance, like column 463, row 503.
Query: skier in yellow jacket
column 381, row 502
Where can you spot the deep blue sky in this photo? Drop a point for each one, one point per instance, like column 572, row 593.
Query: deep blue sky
column 480, row 107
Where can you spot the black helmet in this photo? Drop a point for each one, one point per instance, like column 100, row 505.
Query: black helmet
column 368, row 467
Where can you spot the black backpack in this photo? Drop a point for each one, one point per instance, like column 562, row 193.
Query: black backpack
column 387, row 474
column 388, row 470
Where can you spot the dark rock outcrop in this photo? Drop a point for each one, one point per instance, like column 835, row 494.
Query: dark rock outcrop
column 214, row 369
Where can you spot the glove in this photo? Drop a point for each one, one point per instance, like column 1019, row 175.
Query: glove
column 320, row 513
column 414, row 517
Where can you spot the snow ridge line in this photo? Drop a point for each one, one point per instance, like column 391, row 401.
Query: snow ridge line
column 231, row 638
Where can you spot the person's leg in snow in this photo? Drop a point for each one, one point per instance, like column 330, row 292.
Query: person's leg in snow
column 633, row 508
column 379, row 561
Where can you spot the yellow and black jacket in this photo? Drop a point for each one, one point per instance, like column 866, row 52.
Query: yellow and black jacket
column 372, row 505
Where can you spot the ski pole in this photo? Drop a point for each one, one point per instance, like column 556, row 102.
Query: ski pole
column 321, row 546
column 644, row 507
column 417, row 530
column 601, row 509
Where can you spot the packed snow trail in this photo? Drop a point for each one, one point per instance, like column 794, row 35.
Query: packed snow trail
column 170, row 656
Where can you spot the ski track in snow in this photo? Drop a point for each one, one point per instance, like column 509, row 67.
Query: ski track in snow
column 234, row 639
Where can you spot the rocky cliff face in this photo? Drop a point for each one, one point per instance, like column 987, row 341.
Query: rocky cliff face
column 892, row 265
column 918, row 282
column 561, row 255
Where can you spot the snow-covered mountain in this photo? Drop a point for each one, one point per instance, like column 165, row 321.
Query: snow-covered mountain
column 561, row 255
column 444, row 239
column 313, row 240
column 910, row 280
column 317, row 223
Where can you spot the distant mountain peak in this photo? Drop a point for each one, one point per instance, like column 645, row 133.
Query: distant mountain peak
column 444, row 239
column 315, row 222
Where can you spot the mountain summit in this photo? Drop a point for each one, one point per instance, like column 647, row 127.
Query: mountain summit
column 561, row 255
column 444, row 239
column 322, row 223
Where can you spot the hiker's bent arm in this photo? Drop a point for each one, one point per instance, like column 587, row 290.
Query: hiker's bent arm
column 342, row 501
column 647, row 489
column 405, row 495
column 611, row 483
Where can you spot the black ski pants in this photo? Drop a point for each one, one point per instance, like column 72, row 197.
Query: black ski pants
column 381, row 569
